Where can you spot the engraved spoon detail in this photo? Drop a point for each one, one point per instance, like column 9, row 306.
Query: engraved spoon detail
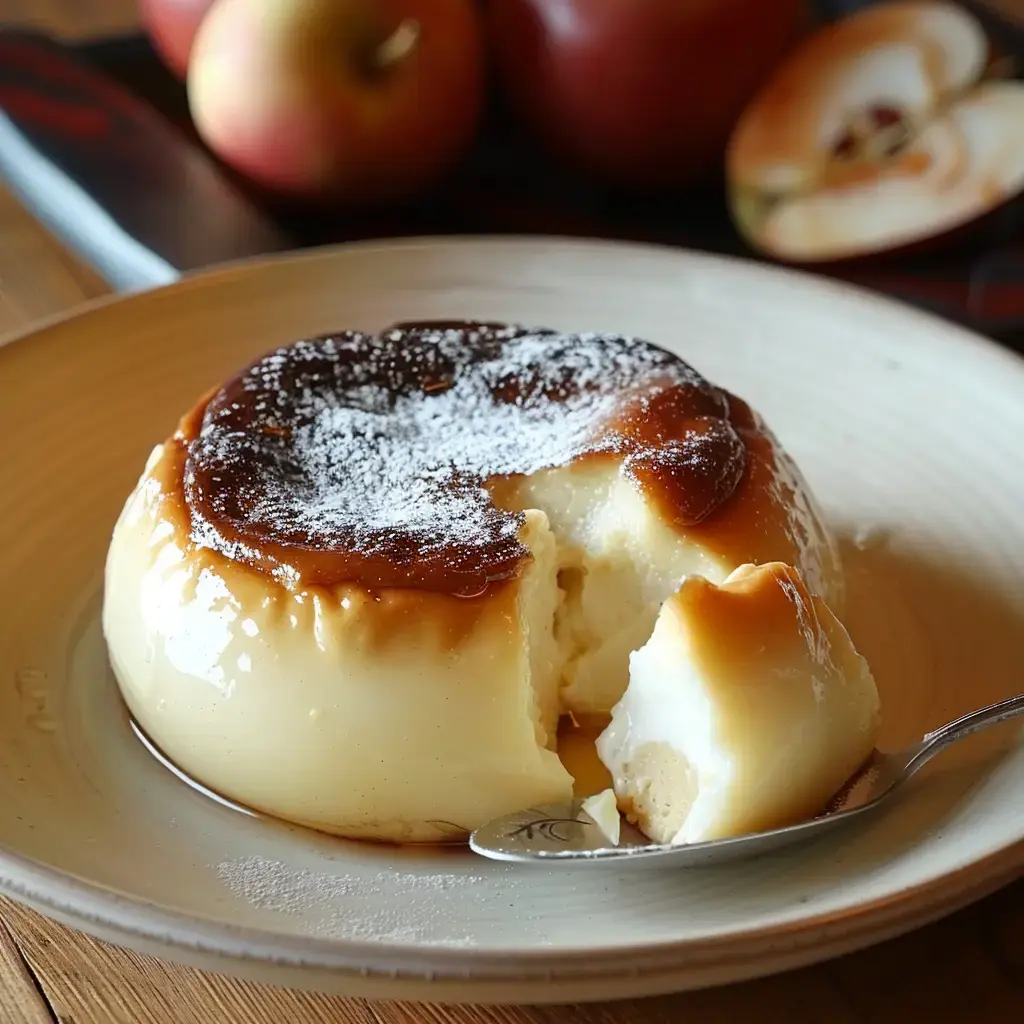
column 566, row 833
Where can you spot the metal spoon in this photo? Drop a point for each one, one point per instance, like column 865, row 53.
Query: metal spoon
column 565, row 833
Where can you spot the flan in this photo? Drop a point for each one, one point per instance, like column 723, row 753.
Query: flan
column 361, row 581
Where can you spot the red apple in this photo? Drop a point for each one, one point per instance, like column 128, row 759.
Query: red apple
column 172, row 26
column 879, row 133
column 641, row 92
column 354, row 100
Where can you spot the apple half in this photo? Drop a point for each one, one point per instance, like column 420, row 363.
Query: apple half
column 880, row 132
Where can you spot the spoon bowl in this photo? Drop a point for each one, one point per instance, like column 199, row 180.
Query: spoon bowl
column 566, row 833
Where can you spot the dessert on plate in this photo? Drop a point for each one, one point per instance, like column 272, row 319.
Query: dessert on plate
column 362, row 581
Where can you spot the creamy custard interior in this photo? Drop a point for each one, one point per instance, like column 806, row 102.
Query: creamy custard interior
column 306, row 670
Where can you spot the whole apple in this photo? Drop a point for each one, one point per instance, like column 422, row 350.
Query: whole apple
column 641, row 92
column 351, row 100
column 172, row 26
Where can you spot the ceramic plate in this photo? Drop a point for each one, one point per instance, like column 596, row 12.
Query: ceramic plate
column 909, row 431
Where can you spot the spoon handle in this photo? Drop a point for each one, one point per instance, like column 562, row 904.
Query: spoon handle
column 934, row 742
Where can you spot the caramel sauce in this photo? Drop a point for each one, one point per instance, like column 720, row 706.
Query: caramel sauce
column 577, row 737
column 367, row 458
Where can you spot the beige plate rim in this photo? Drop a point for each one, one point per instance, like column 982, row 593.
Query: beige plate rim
column 104, row 913
column 823, row 936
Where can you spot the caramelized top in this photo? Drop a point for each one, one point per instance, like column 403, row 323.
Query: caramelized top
column 363, row 458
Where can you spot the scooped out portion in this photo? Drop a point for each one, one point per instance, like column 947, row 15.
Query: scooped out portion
column 746, row 710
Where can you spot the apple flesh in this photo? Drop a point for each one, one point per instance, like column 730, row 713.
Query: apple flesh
column 172, row 26
column 351, row 100
column 641, row 93
column 879, row 133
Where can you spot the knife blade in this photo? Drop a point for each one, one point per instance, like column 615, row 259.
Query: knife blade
column 113, row 178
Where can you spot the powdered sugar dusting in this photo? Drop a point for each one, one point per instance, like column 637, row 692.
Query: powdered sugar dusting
column 383, row 444
column 387, row 906
column 871, row 537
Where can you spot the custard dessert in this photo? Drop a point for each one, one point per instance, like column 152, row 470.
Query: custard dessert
column 363, row 579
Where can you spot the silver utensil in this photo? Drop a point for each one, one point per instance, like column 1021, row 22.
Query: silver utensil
column 565, row 833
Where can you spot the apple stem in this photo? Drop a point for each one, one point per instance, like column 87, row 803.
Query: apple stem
column 398, row 46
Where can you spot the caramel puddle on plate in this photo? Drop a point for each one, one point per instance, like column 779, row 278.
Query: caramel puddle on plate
column 406, row 851
column 577, row 752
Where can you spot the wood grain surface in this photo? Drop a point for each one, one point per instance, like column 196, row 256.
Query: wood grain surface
column 969, row 967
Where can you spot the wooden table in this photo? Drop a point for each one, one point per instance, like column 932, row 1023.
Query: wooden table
column 969, row 967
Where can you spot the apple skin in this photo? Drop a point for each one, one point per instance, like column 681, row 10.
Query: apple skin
column 285, row 92
column 880, row 136
column 172, row 26
column 642, row 93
